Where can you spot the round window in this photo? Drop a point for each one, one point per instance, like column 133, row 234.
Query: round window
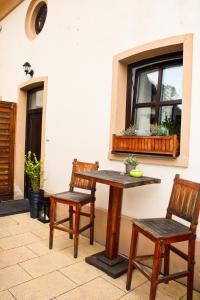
column 35, row 18
column 40, row 18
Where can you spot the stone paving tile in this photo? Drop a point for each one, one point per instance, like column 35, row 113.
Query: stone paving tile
column 142, row 293
column 6, row 221
column 59, row 243
column 3, row 233
column 21, row 217
column 81, row 272
column 47, row 263
column 14, row 256
column 30, row 225
column 18, row 228
column 97, row 289
column 84, row 250
column 173, row 289
column 120, row 282
column 6, row 295
column 43, row 231
column 12, row 276
column 18, row 240
column 196, row 296
column 43, row 288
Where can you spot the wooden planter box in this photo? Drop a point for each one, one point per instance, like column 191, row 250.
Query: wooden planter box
column 160, row 145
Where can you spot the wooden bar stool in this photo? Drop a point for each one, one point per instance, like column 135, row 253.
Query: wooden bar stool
column 75, row 200
column 184, row 203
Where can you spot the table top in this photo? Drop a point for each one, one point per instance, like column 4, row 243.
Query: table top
column 117, row 179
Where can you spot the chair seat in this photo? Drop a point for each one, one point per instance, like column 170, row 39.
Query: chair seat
column 73, row 196
column 162, row 228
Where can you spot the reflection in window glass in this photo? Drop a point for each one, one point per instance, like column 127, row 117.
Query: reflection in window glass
column 145, row 116
column 172, row 112
column 171, row 88
column 147, row 86
column 170, row 115
column 35, row 99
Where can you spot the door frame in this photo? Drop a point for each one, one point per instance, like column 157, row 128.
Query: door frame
column 21, row 132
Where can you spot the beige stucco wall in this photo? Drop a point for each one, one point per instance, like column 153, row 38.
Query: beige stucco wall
column 75, row 51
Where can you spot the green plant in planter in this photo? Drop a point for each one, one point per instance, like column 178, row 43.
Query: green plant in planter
column 159, row 130
column 130, row 131
column 32, row 168
column 130, row 162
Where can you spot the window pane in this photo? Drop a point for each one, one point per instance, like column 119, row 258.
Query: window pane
column 35, row 99
column 147, row 86
column 144, row 117
column 172, row 83
column 171, row 116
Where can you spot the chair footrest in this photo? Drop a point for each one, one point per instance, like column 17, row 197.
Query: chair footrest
column 85, row 227
column 162, row 278
column 62, row 221
column 142, row 269
column 172, row 276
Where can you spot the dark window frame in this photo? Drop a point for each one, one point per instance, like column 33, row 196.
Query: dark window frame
column 160, row 63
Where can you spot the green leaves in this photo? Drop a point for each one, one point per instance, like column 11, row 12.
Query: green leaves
column 131, row 160
column 159, row 130
column 32, row 168
column 130, row 131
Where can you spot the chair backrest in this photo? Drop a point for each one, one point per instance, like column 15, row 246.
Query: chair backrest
column 185, row 201
column 79, row 182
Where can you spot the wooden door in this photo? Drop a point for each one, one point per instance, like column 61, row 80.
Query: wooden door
column 7, row 142
column 33, row 126
column 34, row 130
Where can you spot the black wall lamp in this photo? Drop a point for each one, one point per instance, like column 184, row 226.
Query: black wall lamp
column 27, row 69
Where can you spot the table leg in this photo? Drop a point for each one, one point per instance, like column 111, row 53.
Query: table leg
column 113, row 222
column 109, row 261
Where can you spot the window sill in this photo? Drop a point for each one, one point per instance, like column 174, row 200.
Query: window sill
column 147, row 155
column 179, row 161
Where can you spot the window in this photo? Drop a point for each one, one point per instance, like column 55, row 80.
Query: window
column 35, row 18
column 154, row 93
column 121, row 108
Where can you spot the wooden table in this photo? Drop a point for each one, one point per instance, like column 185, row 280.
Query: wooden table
column 109, row 261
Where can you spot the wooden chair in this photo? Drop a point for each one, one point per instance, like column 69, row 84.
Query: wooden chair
column 75, row 200
column 184, row 203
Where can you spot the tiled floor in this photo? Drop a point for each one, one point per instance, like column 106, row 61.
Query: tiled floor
column 30, row 271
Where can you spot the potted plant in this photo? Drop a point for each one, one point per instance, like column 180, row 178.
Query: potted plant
column 32, row 168
column 131, row 163
column 160, row 140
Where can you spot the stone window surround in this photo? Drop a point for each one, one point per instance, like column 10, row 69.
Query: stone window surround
column 119, row 88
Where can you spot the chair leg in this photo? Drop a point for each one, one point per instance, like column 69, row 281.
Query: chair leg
column 76, row 230
column 190, row 278
column 52, row 219
column 166, row 261
column 155, row 271
column 132, row 255
column 71, row 221
column 92, row 209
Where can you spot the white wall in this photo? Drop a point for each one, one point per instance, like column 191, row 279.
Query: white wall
column 75, row 50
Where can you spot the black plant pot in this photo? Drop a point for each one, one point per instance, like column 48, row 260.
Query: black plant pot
column 34, row 198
